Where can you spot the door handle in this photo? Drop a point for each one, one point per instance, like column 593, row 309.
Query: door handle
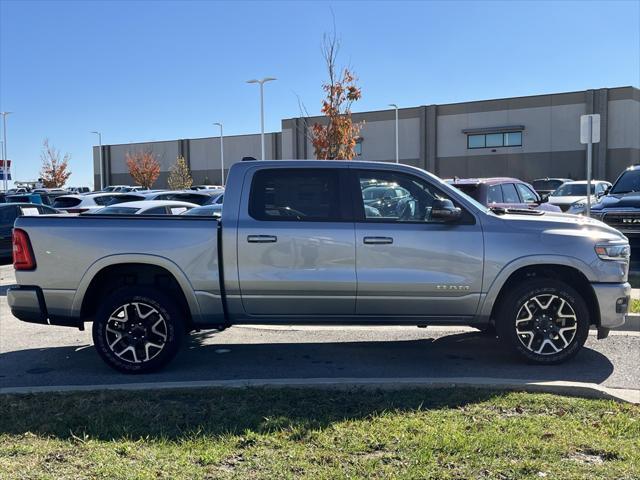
column 378, row 240
column 261, row 238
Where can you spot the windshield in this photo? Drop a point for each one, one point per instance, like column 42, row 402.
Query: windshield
column 573, row 190
column 117, row 211
column 629, row 181
column 546, row 184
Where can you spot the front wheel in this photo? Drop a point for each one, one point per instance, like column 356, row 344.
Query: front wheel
column 545, row 321
column 137, row 329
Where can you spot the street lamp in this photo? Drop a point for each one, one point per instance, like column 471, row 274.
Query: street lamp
column 221, row 151
column 262, row 82
column 397, row 149
column 100, row 156
column 5, row 165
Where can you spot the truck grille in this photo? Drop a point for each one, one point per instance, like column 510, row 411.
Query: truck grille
column 623, row 220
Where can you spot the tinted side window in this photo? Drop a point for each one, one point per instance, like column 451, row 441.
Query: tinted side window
column 527, row 195
column 66, row 202
column 397, row 197
column 494, row 194
column 509, row 193
column 301, row 194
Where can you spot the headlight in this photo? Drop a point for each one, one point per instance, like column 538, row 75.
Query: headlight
column 613, row 252
column 578, row 205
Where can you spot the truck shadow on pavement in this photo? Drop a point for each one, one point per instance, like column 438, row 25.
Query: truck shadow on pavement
column 468, row 354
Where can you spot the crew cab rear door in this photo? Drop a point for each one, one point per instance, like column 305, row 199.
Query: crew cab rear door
column 408, row 264
column 295, row 240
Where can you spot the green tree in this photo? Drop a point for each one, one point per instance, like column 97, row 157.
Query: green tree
column 179, row 175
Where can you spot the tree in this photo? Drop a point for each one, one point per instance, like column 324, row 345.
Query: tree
column 54, row 172
column 179, row 175
column 336, row 139
column 143, row 167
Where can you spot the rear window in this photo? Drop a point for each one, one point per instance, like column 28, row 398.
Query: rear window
column 114, row 199
column 19, row 199
column 66, row 202
column 117, row 211
column 303, row 194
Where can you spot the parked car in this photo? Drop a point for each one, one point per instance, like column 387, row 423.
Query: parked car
column 574, row 192
column 147, row 207
column 8, row 214
column 296, row 244
column 620, row 208
column 205, row 211
column 93, row 201
column 191, row 196
column 545, row 186
column 503, row 192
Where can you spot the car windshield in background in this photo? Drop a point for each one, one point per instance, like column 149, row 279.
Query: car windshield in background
column 117, row 211
column 628, row 182
column 206, row 211
column 546, row 185
column 573, row 190
column 470, row 188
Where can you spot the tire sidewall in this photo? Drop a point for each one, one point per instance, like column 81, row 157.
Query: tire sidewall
column 158, row 300
column 515, row 300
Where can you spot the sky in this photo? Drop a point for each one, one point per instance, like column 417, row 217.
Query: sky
column 161, row 70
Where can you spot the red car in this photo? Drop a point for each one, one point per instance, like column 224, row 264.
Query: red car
column 503, row 192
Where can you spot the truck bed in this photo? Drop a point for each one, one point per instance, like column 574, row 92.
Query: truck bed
column 70, row 251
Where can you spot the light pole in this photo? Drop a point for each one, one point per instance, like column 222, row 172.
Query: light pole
column 221, row 151
column 5, row 166
column 397, row 149
column 100, row 156
column 262, row 82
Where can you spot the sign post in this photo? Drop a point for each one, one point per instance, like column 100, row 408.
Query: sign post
column 589, row 134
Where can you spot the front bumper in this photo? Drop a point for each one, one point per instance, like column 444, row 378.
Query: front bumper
column 613, row 302
column 27, row 303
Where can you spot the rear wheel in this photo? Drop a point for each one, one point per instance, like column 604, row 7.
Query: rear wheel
column 137, row 329
column 544, row 320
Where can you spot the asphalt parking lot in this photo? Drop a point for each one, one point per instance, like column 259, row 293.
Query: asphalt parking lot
column 38, row 355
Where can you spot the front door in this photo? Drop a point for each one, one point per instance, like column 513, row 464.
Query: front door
column 296, row 247
column 407, row 263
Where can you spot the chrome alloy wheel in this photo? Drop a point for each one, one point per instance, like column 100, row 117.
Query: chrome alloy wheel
column 136, row 332
column 546, row 324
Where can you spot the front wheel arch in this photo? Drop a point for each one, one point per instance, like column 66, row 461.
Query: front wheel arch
column 568, row 275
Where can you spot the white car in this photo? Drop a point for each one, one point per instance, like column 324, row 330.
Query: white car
column 90, row 202
column 571, row 193
column 147, row 207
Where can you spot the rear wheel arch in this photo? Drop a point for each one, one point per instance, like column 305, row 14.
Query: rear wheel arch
column 115, row 276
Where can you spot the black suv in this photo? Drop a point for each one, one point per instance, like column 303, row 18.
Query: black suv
column 620, row 208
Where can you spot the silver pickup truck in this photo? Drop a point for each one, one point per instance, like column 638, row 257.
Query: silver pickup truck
column 322, row 242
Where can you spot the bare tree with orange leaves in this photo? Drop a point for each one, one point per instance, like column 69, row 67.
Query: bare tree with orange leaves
column 54, row 171
column 336, row 138
column 143, row 167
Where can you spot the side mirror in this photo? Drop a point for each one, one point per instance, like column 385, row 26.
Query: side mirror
column 544, row 197
column 444, row 210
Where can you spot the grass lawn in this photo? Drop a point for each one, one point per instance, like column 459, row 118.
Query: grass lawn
column 317, row 434
column 635, row 306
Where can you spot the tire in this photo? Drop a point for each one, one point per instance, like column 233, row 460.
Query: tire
column 138, row 329
column 544, row 321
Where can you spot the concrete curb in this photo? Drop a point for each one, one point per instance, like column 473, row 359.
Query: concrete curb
column 588, row 390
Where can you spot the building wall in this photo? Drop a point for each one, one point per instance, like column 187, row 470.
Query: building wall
column 202, row 155
column 432, row 137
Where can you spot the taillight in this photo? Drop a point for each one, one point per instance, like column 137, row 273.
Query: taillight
column 23, row 258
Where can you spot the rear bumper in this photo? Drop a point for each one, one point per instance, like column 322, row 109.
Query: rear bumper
column 28, row 304
column 613, row 302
